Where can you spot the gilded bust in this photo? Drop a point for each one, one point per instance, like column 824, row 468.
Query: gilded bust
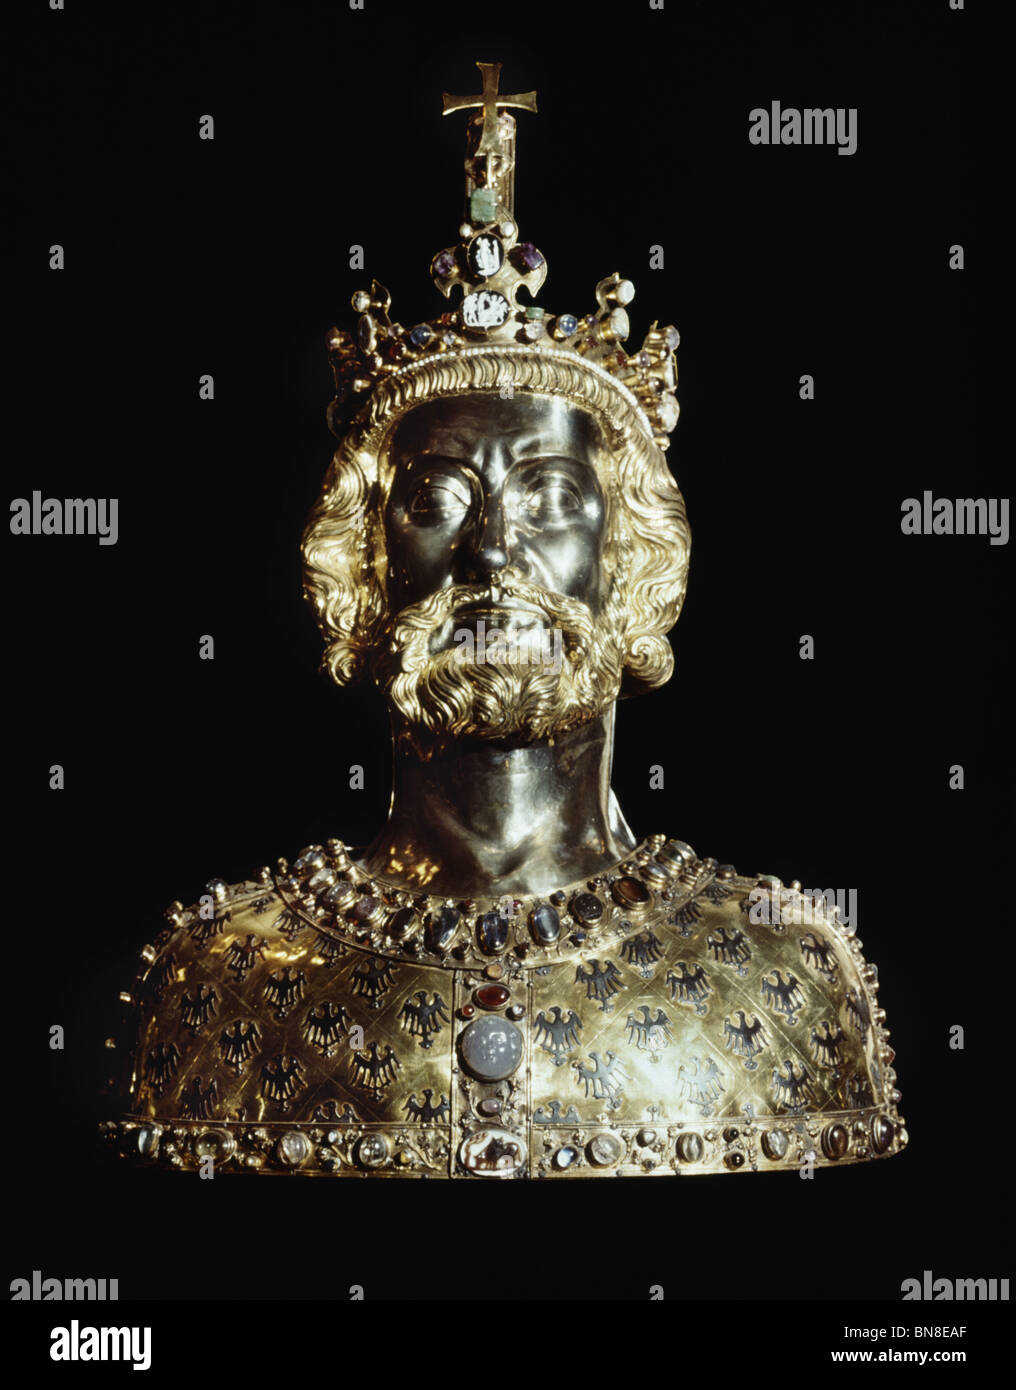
column 504, row 982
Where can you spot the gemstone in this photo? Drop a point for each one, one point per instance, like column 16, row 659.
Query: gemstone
column 491, row 996
column 361, row 301
column 293, row 1148
column 726, row 871
column 668, row 411
column 491, row 1048
column 492, row 932
column 533, row 330
column 148, row 1140
column 441, row 927
column 366, row 333
column 529, row 256
column 619, row 324
column 467, row 1011
column 516, row 1011
column 484, row 309
column 365, row 909
column 675, row 852
column 881, row 1134
column 421, row 335
column 372, row 1150
column 534, row 311
column 567, row 324
column 444, row 263
column 486, row 256
column 835, row 1141
column 545, row 924
column 656, row 874
column 565, row 1156
column 605, row 1149
column 482, row 205
column 587, row 907
column 775, row 1143
column 672, row 338
column 557, row 898
column 690, row 1147
column 318, row 882
column 400, row 922
column 489, row 1107
column 624, row 293
column 731, row 1133
column 216, row 1144
column 338, row 894
column 629, row 892
column 495, row 1152
column 646, row 1137
column 734, row 1160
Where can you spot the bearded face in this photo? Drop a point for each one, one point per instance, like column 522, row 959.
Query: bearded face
column 504, row 621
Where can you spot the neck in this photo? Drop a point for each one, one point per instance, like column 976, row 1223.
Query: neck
column 473, row 818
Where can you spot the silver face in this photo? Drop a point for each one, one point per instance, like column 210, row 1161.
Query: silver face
column 482, row 483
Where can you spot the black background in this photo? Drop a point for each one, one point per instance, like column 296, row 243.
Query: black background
column 230, row 257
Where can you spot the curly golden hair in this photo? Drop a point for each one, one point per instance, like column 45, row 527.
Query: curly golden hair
column 648, row 541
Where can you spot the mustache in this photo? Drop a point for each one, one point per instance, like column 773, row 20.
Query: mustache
column 411, row 629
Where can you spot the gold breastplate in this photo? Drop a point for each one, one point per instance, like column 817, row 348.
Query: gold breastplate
column 667, row 1016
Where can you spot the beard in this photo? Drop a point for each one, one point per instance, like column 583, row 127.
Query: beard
column 513, row 689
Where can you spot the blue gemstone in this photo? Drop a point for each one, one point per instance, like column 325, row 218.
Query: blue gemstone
column 421, row 335
column 568, row 324
column 545, row 924
column 492, row 931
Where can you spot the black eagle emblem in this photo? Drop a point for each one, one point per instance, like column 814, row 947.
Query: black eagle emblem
column 701, row 1083
column 817, row 953
column 372, row 980
column 730, row 948
column 281, row 1079
column 642, row 951
column 827, row 1046
column 558, row 1034
column 686, row 917
column 197, row 1101
column 423, row 1019
column 689, row 985
column 161, row 1066
column 242, row 959
column 285, row 991
column 197, row 1009
column 783, row 996
column 858, row 1013
column 604, row 1080
column 602, row 982
column 425, row 1111
column 372, row 1070
column 793, row 1091
column 237, row 1045
column 324, row 1026
column 649, row 1034
column 745, row 1039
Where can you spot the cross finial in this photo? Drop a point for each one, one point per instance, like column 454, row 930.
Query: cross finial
column 490, row 100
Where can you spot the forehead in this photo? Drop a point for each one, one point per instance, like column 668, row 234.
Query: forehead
column 525, row 424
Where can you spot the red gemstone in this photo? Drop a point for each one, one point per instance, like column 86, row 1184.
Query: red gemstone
column 467, row 1011
column 491, row 996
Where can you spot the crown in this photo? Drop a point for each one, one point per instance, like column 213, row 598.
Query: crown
column 491, row 268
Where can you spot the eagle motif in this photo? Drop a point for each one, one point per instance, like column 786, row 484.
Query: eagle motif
column 202, row 929
column 372, row 980
column 793, row 1091
column 686, row 917
column 285, row 991
column 731, row 948
column 858, row 1013
column 425, row 1111
column 423, row 1019
column 647, row 1033
column 745, row 1039
column 196, row 1102
column 827, row 1046
column 690, row 986
column 816, row 952
column 324, row 1026
column 642, row 951
column 242, row 959
column 783, row 996
column 161, row 975
column 604, row 1080
column 702, row 1084
column 287, row 924
column 161, row 1065
column 197, row 1009
column 281, row 1079
column 237, row 1046
column 261, row 905
column 558, row 1034
column 372, row 1071
column 602, row 982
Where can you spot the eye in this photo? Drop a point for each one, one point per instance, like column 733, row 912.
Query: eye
column 552, row 498
column 436, row 499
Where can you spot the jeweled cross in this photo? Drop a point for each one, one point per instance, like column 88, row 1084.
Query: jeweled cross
column 490, row 100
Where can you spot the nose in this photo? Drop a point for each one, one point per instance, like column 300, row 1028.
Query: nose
column 488, row 552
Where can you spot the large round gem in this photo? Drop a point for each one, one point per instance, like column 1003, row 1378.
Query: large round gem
column 690, row 1147
column 835, row 1141
column 605, row 1149
column 881, row 1134
column 491, row 1048
column 545, row 924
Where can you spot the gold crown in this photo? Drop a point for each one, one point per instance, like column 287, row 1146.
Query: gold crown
column 491, row 266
